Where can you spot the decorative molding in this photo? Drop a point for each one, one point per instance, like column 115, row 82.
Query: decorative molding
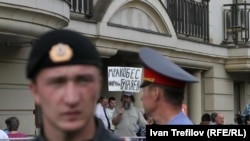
column 23, row 21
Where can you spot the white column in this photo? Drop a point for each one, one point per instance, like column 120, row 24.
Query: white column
column 195, row 99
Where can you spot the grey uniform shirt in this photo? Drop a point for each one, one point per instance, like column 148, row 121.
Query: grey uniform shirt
column 129, row 122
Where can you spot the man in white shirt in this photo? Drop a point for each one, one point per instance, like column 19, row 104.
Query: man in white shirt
column 100, row 111
column 3, row 136
column 110, row 110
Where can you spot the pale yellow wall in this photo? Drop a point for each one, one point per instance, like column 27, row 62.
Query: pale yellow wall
column 218, row 93
column 15, row 98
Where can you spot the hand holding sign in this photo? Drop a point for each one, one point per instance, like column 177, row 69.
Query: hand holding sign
column 121, row 111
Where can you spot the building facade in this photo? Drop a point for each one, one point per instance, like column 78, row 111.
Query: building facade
column 208, row 38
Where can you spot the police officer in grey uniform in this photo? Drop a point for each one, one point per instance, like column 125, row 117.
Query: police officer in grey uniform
column 163, row 88
column 64, row 69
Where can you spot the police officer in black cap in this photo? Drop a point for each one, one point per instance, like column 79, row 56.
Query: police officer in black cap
column 65, row 72
column 163, row 88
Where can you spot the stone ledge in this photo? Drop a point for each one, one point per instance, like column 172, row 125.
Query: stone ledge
column 31, row 21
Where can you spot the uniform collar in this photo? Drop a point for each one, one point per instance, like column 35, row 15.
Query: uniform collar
column 100, row 134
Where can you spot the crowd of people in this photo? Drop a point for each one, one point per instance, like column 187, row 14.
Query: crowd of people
column 212, row 119
column 218, row 119
column 124, row 121
column 65, row 73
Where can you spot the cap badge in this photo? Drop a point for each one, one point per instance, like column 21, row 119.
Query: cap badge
column 60, row 53
column 149, row 79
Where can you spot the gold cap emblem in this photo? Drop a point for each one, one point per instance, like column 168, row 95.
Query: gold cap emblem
column 60, row 53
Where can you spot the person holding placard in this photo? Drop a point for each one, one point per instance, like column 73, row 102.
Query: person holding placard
column 127, row 117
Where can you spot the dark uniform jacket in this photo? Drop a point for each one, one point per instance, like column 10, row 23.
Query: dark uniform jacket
column 101, row 134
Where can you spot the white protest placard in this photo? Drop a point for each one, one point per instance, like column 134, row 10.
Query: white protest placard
column 124, row 78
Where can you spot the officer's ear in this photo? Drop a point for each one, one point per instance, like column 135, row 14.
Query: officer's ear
column 157, row 92
column 34, row 93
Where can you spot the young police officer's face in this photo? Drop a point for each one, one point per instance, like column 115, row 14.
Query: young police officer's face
column 67, row 95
